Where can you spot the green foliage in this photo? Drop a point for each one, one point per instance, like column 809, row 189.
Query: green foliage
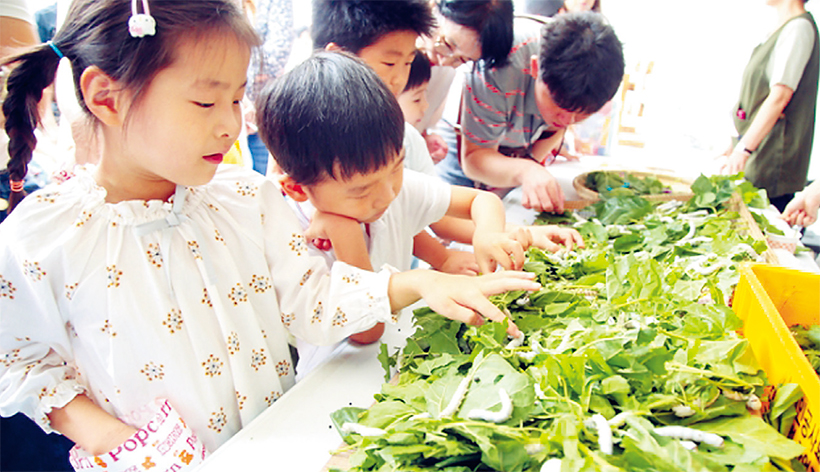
column 623, row 183
column 635, row 325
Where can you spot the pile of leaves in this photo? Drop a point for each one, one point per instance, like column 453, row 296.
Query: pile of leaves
column 624, row 183
column 627, row 336
column 808, row 338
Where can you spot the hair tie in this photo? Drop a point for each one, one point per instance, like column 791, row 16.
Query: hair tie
column 16, row 186
column 141, row 24
column 56, row 49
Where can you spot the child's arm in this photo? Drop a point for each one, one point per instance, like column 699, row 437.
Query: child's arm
column 802, row 210
column 345, row 236
column 492, row 244
column 430, row 250
column 89, row 426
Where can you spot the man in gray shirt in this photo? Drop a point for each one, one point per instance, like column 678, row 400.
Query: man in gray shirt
column 513, row 119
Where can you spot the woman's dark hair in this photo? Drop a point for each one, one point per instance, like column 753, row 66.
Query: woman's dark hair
column 356, row 24
column 330, row 109
column 420, row 71
column 581, row 61
column 491, row 19
column 95, row 33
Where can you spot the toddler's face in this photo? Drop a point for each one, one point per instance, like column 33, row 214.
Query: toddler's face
column 414, row 104
column 362, row 197
column 391, row 57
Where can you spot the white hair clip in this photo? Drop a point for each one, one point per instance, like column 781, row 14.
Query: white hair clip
column 141, row 24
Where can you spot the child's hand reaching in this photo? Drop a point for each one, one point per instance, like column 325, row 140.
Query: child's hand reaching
column 459, row 263
column 555, row 238
column 460, row 297
column 504, row 249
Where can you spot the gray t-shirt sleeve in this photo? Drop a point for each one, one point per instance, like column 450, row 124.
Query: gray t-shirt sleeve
column 791, row 54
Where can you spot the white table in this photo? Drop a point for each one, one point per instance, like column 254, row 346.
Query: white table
column 295, row 434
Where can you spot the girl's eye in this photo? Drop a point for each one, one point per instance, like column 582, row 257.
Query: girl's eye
column 389, row 64
column 237, row 102
column 204, row 105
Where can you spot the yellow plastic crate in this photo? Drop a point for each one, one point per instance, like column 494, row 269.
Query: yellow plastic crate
column 769, row 299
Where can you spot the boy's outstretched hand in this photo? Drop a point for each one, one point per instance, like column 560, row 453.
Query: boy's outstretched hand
column 459, row 297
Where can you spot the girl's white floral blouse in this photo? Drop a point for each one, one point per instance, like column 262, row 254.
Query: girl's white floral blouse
column 196, row 310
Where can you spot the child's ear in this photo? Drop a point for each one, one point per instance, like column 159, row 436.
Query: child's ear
column 103, row 96
column 292, row 189
column 534, row 67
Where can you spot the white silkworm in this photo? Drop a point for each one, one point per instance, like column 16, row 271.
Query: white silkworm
column 683, row 411
column 517, row 341
column 538, row 392
column 604, row 433
column 361, row 429
column 618, row 420
column 523, row 300
column 533, row 448
column 754, row 403
column 632, row 324
column 421, row 416
column 694, row 214
column 527, row 355
column 689, row 444
column 499, row 416
column 551, row 465
column 682, row 432
column 458, row 396
column 670, row 205
column 735, row 395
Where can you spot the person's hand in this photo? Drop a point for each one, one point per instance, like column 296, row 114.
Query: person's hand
column 554, row 238
column 504, row 249
column 736, row 162
column 464, row 299
column 323, row 224
column 541, row 192
column 459, row 262
column 802, row 210
column 436, row 146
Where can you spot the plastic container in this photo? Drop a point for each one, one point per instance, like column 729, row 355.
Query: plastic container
column 769, row 299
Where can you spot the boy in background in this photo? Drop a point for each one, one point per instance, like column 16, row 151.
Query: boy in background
column 383, row 34
column 413, row 99
column 337, row 134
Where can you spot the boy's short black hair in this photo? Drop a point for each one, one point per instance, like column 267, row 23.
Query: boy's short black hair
column 492, row 20
column 581, row 61
column 330, row 109
column 420, row 71
column 356, row 24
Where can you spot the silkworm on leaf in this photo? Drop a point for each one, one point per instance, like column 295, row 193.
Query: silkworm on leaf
column 458, row 396
column 551, row 465
column 683, row 411
column 754, row 403
column 517, row 341
column 361, row 429
column 682, row 432
column 499, row 416
column 604, row 433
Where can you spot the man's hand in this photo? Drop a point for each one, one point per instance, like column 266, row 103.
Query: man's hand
column 541, row 192
column 436, row 146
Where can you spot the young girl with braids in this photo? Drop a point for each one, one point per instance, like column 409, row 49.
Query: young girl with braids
column 159, row 274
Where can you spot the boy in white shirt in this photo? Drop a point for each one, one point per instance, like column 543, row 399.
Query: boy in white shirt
column 347, row 161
